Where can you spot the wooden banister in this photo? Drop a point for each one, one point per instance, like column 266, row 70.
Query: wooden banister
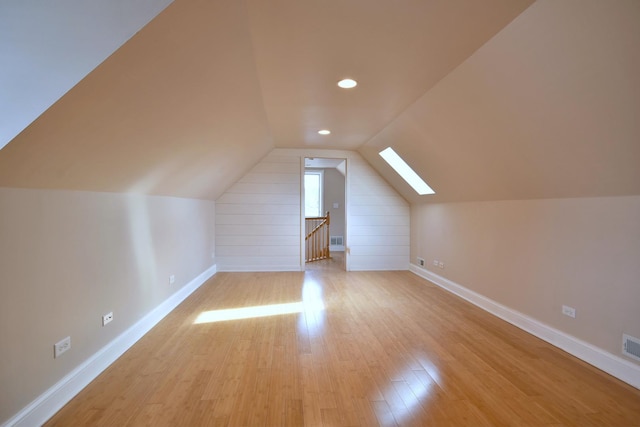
column 317, row 238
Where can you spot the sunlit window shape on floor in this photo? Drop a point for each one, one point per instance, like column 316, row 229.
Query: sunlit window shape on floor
column 405, row 171
column 258, row 311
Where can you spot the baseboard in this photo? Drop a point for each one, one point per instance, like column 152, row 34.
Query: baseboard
column 357, row 266
column 601, row 359
column 50, row 402
column 258, row 268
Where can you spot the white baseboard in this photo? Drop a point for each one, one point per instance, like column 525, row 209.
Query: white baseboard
column 601, row 359
column 258, row 268
column 50, row 402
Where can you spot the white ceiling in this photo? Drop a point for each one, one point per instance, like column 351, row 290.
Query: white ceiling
column 487, row 100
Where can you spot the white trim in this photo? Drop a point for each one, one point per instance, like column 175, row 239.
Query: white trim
column 601, row 359
column 50, row 402
column 259, row 268
column 336, row 248
column 361, row 267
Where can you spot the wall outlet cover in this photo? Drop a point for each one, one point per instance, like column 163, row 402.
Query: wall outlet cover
column 569, row 311
column 107, row 318
column 61, row 347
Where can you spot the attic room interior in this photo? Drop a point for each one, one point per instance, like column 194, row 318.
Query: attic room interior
column 152, row 213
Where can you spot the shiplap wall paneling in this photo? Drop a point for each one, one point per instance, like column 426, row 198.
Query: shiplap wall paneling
column 378, row 221
column 258, row 218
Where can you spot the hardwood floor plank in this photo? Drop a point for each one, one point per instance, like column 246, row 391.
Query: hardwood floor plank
column 388, row 349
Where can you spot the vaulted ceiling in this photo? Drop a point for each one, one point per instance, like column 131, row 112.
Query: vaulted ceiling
column 487, row 100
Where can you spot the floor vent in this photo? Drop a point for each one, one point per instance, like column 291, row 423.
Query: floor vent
column 631, row 346
column 337, row 240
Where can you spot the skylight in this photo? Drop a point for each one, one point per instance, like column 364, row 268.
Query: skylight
column 405, row 171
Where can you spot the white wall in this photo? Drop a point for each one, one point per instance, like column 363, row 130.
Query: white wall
column 534, row 256
column 378, row 221
column 258, row 220
column 68, row 257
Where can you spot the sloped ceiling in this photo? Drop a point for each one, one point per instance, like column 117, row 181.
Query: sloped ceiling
column 48, row 47
column 176, row 111
column 487, row 100
column 397, row 50
column 549, row 108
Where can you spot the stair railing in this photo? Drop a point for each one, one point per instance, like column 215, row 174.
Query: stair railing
column 317, row 238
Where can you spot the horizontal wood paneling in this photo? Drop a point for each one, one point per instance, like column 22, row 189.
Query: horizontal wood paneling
column 241, row 209
column 374, row 250
column 265, row 188
column 260, row 199
column 376, row 199
column 257, row 177
column 255, row 230
column 379, row 230
column 378, row 241
column 378, row 221
column 379, row 210
column 258, row 250
column 258, row 240
column 277, row 167
column 258, row 218
column 275, row 219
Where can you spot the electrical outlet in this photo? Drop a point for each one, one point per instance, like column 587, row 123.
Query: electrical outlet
column 107, row 318
column 61, row 347
column 420, row 262
column 569, row 311
column 172, row 279
column 441, row 264
column 435, row 262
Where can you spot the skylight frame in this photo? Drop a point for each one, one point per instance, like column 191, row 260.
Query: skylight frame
column 406, row 172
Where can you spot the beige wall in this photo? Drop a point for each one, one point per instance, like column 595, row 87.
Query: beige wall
column 536, row 255
column 67, row 258
column 334, row 193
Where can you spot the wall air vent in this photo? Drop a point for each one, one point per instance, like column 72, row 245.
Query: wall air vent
column 337, row 240
column 631, row 346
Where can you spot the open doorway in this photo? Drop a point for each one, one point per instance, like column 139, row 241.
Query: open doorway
column 324, row 213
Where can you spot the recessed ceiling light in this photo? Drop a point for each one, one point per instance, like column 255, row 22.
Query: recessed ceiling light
column 347, row 83
column 324, row 132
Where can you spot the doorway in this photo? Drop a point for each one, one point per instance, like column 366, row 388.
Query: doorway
column 324, row 196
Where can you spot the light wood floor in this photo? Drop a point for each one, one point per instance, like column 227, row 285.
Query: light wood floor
column 387, row 349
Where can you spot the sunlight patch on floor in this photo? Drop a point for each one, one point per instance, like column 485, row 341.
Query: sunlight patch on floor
column 258, row 311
